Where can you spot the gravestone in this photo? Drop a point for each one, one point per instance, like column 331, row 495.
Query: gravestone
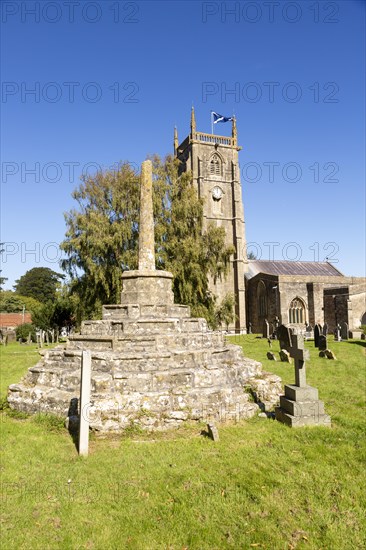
column 322, row 343
column 265, row 329
column 337, row 334
column 213, row 432
column 329, row 354
column 344, row 331
column 250, row 328
column 285, row 356
column 325, row 329
column 271, row 356
column 300, row 405
column 317, row 333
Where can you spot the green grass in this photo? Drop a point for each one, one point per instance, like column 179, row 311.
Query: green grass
column 263, row 485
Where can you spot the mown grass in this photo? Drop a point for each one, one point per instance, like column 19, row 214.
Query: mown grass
column 263, row 485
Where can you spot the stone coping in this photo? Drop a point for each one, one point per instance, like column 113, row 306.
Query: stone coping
column 135, row 273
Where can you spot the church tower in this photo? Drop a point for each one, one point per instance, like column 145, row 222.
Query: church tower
column 213, row 161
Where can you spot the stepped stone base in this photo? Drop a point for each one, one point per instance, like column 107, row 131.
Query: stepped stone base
column 300, row 406
column 152, row 365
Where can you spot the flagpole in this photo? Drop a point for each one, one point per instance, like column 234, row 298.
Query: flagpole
column 212, row 128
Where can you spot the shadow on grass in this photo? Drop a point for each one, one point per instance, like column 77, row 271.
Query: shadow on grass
column 73, row 421
column 358, row 342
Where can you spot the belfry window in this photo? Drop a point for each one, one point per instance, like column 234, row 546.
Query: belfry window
column 215, row 165
column 296, row 312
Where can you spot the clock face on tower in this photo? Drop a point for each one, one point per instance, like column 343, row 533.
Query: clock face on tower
column 216, row 193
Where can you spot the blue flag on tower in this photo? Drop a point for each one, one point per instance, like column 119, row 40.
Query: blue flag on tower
column 220, row 118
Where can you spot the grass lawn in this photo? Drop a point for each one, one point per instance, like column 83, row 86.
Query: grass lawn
column 263, row 485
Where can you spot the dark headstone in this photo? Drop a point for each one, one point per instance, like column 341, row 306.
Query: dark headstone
column 285, row 356
column 317, row 333
column 284, row 336
column 265, row 329
column 325, row 329
column 344, row 331
column 271, row 356
column 322, row 343
column 330, row 354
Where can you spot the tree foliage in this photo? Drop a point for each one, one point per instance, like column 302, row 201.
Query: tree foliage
column 39, row 283
column 11, row 302
column 102, row 237
column 23, row 331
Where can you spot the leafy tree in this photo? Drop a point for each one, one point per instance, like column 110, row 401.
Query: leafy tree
column 54, row 315
column 40, row 283
column 224, row 313
column 102, row 237
column 11, row 302
column 22, row 331
column 251, row 256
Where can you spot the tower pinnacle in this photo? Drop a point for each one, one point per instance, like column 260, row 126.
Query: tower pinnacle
column 193, row 121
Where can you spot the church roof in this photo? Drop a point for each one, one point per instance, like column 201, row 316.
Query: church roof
column 317, row 269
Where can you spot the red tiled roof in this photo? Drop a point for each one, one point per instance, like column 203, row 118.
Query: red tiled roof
column 14, row 319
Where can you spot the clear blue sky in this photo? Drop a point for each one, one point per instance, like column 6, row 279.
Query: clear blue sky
column 113, row 78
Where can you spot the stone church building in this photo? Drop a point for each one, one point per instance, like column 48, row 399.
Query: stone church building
column 297, row 293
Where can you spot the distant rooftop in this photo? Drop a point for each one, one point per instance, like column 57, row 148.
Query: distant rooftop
column 275, row 267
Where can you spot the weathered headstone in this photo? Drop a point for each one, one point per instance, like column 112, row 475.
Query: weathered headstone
column 213, row 432
column 329, row 354
column 29, row 339
column 285, row 356
column 337, row 333
column 325, row 329
column 271, row 356
column 300, row 405
column 317, row 333
column 322, row 342
column 250, row 328
column 265, row 329
column 284, row 337
column 85, row 402
column 344, row 331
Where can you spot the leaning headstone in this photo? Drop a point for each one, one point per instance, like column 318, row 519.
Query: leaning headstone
column 29, row 339
column 213, row 432
column 322, row 342
column 317, row 333
column 344, row 331
column 300, row 405
column 265, row 329
column 271, row 356
column 329, row 354
column 285, row 356
column 325, row 329
column 322, row 353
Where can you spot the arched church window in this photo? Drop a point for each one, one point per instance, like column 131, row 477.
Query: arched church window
column 296, row 312
column 215, row 165
column 262, row 299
